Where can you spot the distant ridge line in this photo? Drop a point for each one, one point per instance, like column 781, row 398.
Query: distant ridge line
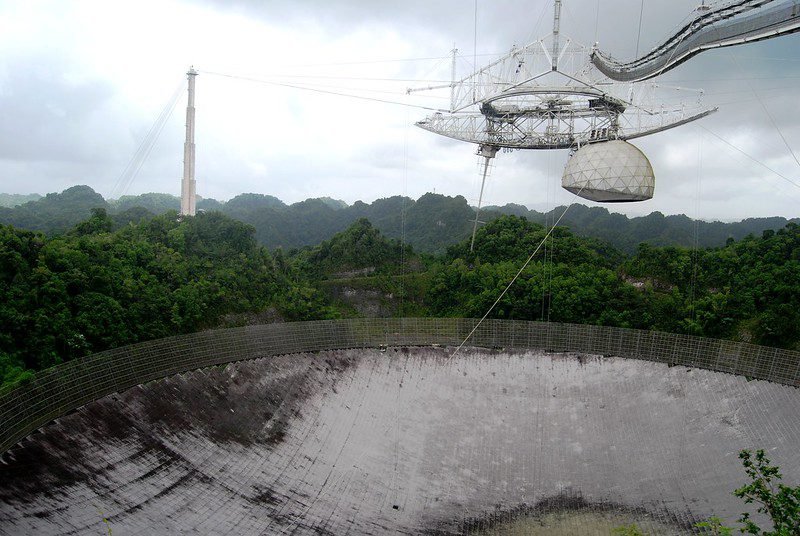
column 434, row 221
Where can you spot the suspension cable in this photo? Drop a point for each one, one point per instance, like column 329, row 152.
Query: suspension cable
column 768, row 114
column 325, row 92
column 639, row 35
column 753, row 158
column 403, row 217
column 525, row 265
column 596, row 21
column 475, row 38
column 131, row 170
column 696, row 230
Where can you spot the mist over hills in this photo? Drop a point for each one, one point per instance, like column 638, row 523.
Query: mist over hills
column 13, row 200
column 430, row 224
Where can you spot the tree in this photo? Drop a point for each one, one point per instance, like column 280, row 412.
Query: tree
column 361, row 246
column 715, row 527
column 99, row 222
column 92, row 289
column 780, row 502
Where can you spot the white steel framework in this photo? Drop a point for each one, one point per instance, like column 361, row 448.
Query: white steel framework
column 549, row 95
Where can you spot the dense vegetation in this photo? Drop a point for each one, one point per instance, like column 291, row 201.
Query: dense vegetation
column 116, row 279
column 655, row 229
column 94, row 288
column 572, row 278
column 747, row 290
column 430, row 224
column 54, row 213
column 359, row 250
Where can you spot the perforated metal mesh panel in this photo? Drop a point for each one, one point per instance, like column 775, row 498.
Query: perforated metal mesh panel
column 338, row 427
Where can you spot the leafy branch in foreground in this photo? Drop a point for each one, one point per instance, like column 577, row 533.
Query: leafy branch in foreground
column 780, row 502
column 715, row 527
column 627, row 530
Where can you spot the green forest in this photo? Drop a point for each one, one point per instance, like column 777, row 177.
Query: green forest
column 430, row 224
column 112, row 280
column 101, row 285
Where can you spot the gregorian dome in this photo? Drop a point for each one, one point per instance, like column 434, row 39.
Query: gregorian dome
column 612, row 171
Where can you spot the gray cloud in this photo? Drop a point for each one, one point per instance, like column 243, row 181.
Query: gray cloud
column 46, row 117
column 68, row 118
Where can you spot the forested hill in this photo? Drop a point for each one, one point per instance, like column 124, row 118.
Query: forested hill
column 54, row 213
column 430, row 224
column 12, row 200
column 746, row 290
column 94, row 287
column 655, row 229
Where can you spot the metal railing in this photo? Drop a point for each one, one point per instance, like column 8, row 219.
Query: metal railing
column 61, row 389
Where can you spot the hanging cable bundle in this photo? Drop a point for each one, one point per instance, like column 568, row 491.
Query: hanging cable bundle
column 138, row 159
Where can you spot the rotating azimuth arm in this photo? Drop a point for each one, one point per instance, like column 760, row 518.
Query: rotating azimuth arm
column 733, row 23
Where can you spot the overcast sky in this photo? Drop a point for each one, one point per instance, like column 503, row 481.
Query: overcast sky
column 82, row 82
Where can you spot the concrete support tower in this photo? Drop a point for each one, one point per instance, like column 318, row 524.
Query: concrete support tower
column 188, row 184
